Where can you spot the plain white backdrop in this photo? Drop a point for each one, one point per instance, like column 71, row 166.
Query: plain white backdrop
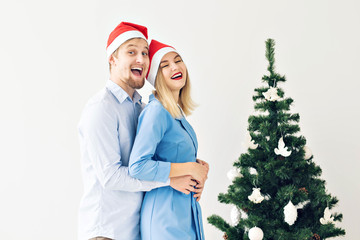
column 52, row 59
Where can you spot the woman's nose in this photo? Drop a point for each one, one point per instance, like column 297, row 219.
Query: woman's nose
column 174, row 66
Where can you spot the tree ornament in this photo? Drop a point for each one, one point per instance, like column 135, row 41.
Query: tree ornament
column 271, row 94
column 235, row 215
column 225, row 236
column 302, row 204
column 304, row 190
column 308, row 153
column 315, row 237
column 234, row 173
column 256, row 233
column 256, row 196
column 282, row 150
column 290, row 211
column 249, row 142
column 327, row 217
column 253, row 171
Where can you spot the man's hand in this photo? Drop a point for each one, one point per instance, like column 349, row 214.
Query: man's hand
column 184, row 184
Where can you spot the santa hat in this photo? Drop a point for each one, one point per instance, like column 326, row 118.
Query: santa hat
column 156, row 52
column 123, row 32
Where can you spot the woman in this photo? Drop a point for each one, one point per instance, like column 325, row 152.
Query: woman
column 166, row 146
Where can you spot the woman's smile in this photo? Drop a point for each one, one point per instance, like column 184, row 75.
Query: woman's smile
column 177, row 76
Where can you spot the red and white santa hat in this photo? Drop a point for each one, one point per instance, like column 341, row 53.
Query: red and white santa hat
column 123, row 32
column 156, row 52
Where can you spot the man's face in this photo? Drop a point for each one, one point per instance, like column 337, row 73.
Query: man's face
column 131, row 62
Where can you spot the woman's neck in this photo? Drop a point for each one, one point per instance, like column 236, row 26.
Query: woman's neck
column 176, row 96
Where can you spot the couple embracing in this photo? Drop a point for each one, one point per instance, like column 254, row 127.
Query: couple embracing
column 142, row 178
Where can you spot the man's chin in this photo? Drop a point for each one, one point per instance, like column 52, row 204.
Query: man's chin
column 137, row 84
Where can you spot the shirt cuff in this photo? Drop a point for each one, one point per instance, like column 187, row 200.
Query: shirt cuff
column 163, row 172
column 168, row 182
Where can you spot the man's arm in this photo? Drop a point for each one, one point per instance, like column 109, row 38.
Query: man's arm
column 100, row 143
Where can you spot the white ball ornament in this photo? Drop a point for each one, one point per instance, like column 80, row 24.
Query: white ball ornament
column 308, row 152
column 256, row 233
column 234, row 173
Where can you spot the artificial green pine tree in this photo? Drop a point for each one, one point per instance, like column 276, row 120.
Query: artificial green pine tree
column 277, row 192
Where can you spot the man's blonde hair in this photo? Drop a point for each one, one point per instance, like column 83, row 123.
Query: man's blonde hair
column 164, row 95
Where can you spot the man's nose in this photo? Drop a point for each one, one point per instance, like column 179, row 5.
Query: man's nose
column 140, row 58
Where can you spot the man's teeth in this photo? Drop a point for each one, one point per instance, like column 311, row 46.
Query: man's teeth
column 140, row 69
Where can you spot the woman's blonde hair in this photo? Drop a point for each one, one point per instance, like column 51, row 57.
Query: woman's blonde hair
column 164, row 95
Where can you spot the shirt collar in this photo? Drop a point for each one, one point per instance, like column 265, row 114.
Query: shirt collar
column 151, row 97
column 120, row 93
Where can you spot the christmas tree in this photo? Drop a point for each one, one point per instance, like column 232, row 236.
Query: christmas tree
column 276, row 188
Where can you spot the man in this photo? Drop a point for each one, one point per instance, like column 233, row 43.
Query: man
column 110, row 207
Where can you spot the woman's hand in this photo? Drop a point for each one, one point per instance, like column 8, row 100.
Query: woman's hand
column 198, row 191
column 202, row 162
column 199, row 172
column 184, row 184
column 200, row 186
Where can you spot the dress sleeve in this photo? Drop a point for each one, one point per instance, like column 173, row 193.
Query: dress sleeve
column 152, row 125
column 99, row 135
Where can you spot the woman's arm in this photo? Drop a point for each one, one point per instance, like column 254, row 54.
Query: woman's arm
column 153, row 123
column 196, row 170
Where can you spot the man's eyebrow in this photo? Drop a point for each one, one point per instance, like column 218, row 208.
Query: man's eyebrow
column 131, row 45
column 134, row 45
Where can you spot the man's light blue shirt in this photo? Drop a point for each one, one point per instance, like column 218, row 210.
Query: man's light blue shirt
column 111, row 203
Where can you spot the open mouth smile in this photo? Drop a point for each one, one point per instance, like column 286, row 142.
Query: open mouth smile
column 137, row 71
column 177, row 76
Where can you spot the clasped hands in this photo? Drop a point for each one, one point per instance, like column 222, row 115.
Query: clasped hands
column 195, row 181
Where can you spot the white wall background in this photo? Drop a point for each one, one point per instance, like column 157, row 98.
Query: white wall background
column 52, row 59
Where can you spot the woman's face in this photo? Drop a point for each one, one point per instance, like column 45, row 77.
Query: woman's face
column 174, row 71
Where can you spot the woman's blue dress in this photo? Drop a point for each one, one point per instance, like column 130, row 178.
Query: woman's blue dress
column 166, row 213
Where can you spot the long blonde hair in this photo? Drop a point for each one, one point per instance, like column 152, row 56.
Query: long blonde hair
column 164, row 95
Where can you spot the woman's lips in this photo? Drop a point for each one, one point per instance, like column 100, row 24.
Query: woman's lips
column 177, row 76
